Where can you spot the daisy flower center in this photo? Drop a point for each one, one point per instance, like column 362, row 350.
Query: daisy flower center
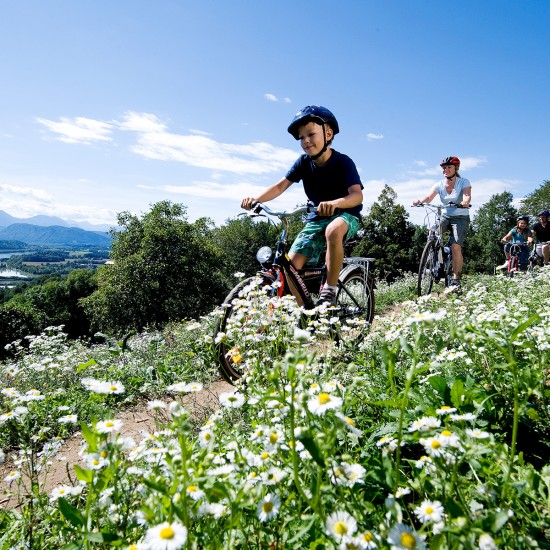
column 324, row 398
column 267, row 507
column 167, row 533
column 408, row 540
column 340, row 528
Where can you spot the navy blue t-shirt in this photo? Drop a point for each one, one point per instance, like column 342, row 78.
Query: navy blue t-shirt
column 328, row 182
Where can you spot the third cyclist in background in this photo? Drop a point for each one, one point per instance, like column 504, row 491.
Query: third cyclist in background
column 457, row 190
column 521, row 234
column 541, row 232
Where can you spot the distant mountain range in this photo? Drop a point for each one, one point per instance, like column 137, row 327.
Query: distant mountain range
column 43, row 221
column 53, row 235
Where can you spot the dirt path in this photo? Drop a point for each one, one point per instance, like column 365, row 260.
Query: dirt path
column 136, row 422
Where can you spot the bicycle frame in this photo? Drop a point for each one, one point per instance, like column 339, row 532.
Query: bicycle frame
column 513, row 263
column 287, row 275
column 441, row 268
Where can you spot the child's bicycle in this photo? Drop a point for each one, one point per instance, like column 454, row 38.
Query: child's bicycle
column 514, row 265
column 436, row 261
column 354, row 296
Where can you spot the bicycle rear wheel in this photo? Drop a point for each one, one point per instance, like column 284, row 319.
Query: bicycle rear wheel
column 355, row 301
column 230, row 324
column 428, row 262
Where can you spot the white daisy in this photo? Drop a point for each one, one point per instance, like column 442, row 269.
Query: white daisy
column 430, row 511
column 109, row 426
column 68, row 419
column 166, row 536
column 322, row 402
column 156, row 404
column 194, row 492
column 232, row 400
column 268, row 508
column 12, row 476
column 340, row 525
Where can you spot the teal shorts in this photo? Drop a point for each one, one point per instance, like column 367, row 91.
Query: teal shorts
column 311, row 241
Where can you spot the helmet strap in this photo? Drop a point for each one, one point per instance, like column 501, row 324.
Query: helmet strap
column 325, row 146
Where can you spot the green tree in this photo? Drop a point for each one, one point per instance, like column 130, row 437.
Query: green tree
column 483, row 250
column 165, row 269
column 537, row 200
column 18, row 321
column 389, row 237
column 238, row 241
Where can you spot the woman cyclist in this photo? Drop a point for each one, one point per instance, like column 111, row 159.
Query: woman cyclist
column 457, row 190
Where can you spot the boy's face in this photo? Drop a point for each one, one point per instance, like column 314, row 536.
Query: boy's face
column 311, row 137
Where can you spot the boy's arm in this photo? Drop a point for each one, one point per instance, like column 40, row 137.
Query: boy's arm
column 353, row 198
column 269, row 194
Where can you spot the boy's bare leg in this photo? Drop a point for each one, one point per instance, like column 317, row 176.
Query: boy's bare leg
column 335, row 233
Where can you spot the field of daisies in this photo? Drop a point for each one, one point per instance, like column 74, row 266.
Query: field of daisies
column 430, row 432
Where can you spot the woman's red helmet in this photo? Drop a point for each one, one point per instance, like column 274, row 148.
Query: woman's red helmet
column 450, row 161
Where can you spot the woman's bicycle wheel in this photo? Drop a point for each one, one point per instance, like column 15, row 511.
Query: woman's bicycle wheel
column 355, row 302
column 428, row 261
column 232, row 324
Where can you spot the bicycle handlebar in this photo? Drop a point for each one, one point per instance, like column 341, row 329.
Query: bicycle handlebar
column 258, row 207
column 452, row 204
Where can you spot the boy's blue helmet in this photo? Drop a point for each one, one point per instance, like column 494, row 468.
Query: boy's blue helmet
column 544, row 213
column 314, row 113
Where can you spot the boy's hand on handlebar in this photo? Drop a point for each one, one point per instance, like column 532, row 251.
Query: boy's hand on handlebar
column 248, row 203
column 326, row 209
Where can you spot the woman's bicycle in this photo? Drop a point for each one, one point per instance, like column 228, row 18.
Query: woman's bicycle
column 436, row 262
column 277, row 278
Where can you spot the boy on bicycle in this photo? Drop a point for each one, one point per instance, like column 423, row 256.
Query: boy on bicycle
column 331, row 182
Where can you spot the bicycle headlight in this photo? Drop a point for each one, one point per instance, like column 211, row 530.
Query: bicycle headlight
column 264, row 254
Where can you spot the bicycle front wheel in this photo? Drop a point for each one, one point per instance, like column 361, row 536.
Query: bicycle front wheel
column 355, row 300
column 428, row 262
column 233, row 321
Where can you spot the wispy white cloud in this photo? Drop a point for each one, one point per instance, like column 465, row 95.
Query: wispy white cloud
column 233, row 191
column 374, row 137
column 79, row 129
column 155, row 141
column 141, row 122
column 30, row 192
column 275, row 99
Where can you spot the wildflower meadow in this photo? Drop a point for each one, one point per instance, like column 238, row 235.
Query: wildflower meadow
column 430, row 431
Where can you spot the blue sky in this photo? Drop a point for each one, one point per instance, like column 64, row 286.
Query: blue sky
column 109, row 106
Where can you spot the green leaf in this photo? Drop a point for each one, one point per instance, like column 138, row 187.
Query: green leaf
column 457, row 393
column 521, row 328
column 73, row 515
column 155, row 486
column 311, row 446
column 90, row 437
column 84, row 366
column 438, row 383
column 499, row 520
column 83, row 474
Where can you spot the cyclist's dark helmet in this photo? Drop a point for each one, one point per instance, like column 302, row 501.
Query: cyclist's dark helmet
column 314, row 113
column 524, row 217
column 544, row 213
column 450, row 161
